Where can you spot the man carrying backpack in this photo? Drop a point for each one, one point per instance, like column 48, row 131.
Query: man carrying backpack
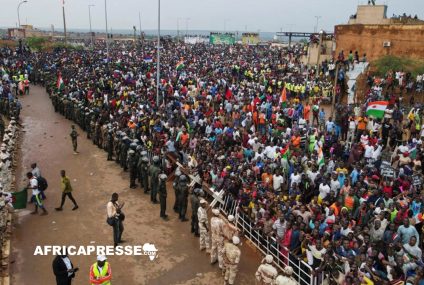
column 67, row 191
column 33, row 185
column 42, row 182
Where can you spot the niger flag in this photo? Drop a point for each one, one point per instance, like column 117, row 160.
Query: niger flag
column 283, row 98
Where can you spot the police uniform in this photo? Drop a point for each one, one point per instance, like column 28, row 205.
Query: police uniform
column 154, row 172
column 162, row 195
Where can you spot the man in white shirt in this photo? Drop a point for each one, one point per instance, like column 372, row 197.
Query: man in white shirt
column 324, row 190
column 295, row 178
column 36, row 197
column 369, row 149
column 277, row 181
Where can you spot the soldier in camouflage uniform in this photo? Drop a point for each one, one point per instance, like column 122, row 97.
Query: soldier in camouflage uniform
column 231, row 255
column 217, row 238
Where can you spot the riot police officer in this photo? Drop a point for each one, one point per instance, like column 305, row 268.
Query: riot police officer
column 162, row 195
column 195, row 204
column 109, row 147
column 132, row 165
column 145, row 174
column 175, row 186
column 154, row 172
column 182, row 198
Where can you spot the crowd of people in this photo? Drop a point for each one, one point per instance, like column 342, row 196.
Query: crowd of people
column 340, row 192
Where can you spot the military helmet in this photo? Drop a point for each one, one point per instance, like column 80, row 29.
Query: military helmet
column 145, row 159
column 143, row 153
column 133, row 146
column 197, row 191
column 131, row 151
column 183, row 178
column 163, row 176
column 139, row 147
column 156, row 158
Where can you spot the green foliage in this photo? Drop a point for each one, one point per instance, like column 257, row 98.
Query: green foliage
column 36, row 43
column 386, row 63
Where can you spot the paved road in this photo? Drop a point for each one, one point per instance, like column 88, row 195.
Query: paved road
column 46, row 141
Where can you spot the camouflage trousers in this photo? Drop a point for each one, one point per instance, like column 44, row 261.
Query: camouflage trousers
column 217, row 250
column 204, row 238
column 230, row 273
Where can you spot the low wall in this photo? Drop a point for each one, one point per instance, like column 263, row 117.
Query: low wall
column 405, row 40
column 8, row 150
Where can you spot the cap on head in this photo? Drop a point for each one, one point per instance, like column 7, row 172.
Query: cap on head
column 269, row 258
column 236, row 240
column 215, row 212
column 288, row 270
column 101, row 257
column 230, row 218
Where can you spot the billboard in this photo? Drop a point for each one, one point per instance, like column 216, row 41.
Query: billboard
column 250, row 38
column 222, row 39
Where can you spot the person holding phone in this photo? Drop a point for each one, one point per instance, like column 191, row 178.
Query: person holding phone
column 63, row 270
column 115, row 218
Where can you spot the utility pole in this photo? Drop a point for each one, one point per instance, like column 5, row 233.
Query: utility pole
column 139, row 25
column 64, row 20
column 334, row 89
column 135, row 36
column 186, row 20
column 89, row 18
column 158, row 60
column 178, row 28
column 316, row 26
column 321, row 35
column 107, row 33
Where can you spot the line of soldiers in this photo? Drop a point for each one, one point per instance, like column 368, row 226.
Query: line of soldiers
column 10, row 108
column 122, row 147
column 132, row 156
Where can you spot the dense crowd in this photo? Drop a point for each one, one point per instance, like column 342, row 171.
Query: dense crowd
column 341, row 192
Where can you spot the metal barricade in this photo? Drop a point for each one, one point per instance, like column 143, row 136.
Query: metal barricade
column 269, row 245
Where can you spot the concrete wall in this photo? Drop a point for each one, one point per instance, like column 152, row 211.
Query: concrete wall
column 313, row 50
column 371, row 15
column 405, row 40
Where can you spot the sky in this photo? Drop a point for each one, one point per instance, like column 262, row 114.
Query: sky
column 218, row 15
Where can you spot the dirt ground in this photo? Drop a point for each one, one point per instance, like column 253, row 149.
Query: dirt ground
column 46, row 141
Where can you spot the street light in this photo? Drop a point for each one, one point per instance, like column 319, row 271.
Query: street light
column 316, row 27
column 107, row 33
column 19, row 6
column 178, row 27
column 187, row 20
column 89, row 18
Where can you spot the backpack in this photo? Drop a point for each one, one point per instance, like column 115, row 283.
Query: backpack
column 42, row 183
